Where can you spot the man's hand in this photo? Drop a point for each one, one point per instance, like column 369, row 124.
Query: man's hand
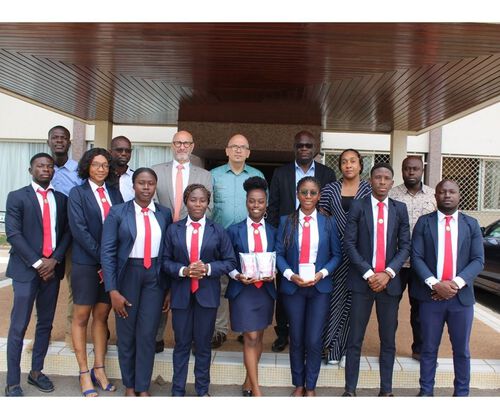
column 197, row 269
column 445, row 290
column 119, row 303
column 166, row 303
column 378, row 282
column 46, row 269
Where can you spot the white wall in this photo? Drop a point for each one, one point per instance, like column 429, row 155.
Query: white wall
column 145, row 134
column 371, row 142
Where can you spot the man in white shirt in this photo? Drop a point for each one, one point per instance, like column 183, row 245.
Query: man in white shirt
column 121, row 152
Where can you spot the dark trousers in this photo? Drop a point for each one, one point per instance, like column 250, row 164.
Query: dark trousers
column 136, row 333
column 193, row 324
column 307, row 310
column 387, row 315
column 407, row 276
column 434, row 315
column 281, row 317
column 26, row 294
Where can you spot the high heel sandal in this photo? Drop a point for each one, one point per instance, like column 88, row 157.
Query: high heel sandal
column 90, row 391
column 95, row 380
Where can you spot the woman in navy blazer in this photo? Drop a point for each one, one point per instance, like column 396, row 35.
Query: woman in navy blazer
column 88, row 206
column 133, row 279
column 306, row 300
column 251, row 301
column 195, row 291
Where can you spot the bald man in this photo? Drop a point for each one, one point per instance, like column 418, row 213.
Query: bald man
column 230, row 208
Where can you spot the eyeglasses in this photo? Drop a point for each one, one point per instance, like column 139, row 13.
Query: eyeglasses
column 179, row 144
column 298, row 146
column 306, row 192
column 235, row 147
column 96, row 165
column 122, row 150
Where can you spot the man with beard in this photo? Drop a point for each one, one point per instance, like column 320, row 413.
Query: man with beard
column 121, row 152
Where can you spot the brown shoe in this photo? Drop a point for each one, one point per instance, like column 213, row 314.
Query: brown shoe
column 218, row 340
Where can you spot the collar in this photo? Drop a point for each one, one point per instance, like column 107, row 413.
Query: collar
column 423, row 189
column 70, row 165
column 227, row 168
column 36, row 186
column 375, row 201
column 94, row 186
column 311, row 167
column 129, row 172
column 441, row 216
column 138, row 208
column 249, row 222
column 313, row 216
column 202, row 221
column 176, row 163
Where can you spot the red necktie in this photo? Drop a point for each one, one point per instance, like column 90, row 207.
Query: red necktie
column 179, row 190
column 258, row 246
column 47, row 230
column 105, row 204
column 448, row 253
column 147, row 238
column 305, row 247
column 380, row 253
column 194, row 253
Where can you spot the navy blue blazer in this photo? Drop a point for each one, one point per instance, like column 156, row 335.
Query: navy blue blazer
column 24, row 228
column 329, row 254
column 216, row 249
column 470, row 258
column 119, row 232
column 85, row 222
column 358, row 243
column 238, row 233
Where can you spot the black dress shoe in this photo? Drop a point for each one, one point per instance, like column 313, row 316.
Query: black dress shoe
column 240, row 339
column 14, row 391
column 246, row 393
column 41, row 382
column 349, row 394
column 159, row 346
column 218, row 340
column 416, row 356
column 280, row 344
column 388, row 394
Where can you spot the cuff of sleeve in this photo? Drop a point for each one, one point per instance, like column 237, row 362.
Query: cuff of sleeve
column 209, row 269
column 37, row 264
column 460, row 282
column 368, row 273
column 233, row 274
column 324, row 272
column 288, row 274
column 180, row 271
column 431, row 281
column 391, row 272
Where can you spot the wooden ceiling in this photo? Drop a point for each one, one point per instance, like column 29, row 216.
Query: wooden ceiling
column 364, row 77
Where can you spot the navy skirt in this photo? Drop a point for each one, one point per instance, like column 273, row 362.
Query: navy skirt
column 251, row 310
column 86, row 287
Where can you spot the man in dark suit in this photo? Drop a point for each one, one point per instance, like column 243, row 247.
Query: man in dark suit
column 37, row 229
column 447, row 255
column 283, row 201
column 377, row 242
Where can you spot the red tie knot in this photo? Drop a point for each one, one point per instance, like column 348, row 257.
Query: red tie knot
column 100, row 189
column 196, row 226
column 42, row 192
column 448, row 218
column 145, row 211
column 307, row 218
column 180, row 167
column 381, row 205
column 256, row 225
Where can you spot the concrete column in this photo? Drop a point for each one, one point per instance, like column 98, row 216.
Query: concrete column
column 433, row 171
column 103, row 134
column 399, row 147
column 78, row 143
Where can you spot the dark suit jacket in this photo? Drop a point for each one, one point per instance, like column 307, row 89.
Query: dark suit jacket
column 238, row 233
column 358, row 243
column 119, row 232
column 329, row 254
column 470, row 258
column 283, row 191
column 216, row 249
column 85, row 222
column 24, row 228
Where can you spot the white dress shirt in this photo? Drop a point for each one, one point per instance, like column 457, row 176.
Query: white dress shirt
column 53, row 214
column 185, row 175
column 94, row 187
column 126, row 185
column 189, row 232
column 374, row 202
column 138, row 248
column 431, row 281
column 314, row 243
column 251, row 240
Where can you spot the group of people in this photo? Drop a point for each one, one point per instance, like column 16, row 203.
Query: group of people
column 168, row 238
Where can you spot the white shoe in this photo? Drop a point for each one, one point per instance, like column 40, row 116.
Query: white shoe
column 342, row 362
column 332, row 362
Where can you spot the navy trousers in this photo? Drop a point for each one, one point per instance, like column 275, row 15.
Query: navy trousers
column 44, row 294
column 433, row 316
column 193, row 324
column 408, row 276
column 136, row 334
column 307, row 311
column 387, row 315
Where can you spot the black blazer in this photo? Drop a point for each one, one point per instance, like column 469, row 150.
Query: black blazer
column 24, row 228
column 358, row 243
column 283, row 191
